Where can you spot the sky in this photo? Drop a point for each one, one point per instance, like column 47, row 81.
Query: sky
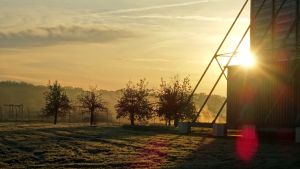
column 106, row 43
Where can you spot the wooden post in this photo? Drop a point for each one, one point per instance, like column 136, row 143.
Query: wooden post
column 22, row 111
column 11, row 111
column 1, row 114
column 28, row 114
column 15, row 108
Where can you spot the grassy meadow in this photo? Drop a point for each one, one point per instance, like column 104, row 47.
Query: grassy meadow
column 112, row 146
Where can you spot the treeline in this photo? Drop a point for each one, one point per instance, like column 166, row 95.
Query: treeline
column 172, row 102
column 33, row 98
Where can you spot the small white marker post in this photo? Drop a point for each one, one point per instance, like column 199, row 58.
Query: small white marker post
column 219, row 130
column 184, row 127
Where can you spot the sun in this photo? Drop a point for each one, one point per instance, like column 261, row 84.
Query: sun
column 246, row 59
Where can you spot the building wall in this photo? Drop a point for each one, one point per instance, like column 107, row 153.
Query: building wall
column 260, row 23
column 274, row 38
column 267, row 96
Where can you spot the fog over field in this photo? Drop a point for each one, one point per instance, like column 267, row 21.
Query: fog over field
column 33, row 99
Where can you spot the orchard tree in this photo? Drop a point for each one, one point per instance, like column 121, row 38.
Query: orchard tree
column 134, row 102
column 57, row 101
column 173, row 103
column 92, row 102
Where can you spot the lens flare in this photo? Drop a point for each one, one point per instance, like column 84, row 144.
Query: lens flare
column 247, row 144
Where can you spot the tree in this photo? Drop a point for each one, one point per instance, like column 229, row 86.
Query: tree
column 92, row 101
column 173, row 104
column 57, row 101
column 134, row 102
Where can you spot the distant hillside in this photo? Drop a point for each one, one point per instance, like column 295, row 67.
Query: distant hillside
column 32, row 97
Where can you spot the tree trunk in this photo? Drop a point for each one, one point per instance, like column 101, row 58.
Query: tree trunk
column 176, row 121
column 92, row 118
column 132, row 119
column 169, row 122
column 55, row 117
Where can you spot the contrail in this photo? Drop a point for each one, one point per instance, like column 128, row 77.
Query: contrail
column 152, row 7
column 199, row 18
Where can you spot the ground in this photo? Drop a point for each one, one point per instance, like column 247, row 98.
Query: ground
column 109, row 146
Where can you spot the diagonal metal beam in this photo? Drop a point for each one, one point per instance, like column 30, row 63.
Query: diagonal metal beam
column 235, row 51
column 220, row 111
column 221, row 67
column 226, row 54
column 219, row 78
column 217, row 51
column 289, row 33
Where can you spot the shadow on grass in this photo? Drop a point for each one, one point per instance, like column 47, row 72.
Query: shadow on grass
column 88, row 132
column 134, row 147
column 78, row 146
column 222, row 153
column 161, row 129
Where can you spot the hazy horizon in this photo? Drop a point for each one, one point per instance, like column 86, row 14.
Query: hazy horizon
column 108, row 43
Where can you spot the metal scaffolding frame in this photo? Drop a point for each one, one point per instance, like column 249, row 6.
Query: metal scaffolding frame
column 232, row 54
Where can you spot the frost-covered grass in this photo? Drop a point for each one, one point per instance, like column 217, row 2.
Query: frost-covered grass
column 108, row 146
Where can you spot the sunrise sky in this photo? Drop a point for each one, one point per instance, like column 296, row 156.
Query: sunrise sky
column 108, row 42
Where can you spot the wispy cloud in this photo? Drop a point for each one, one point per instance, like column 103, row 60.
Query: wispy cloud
column 43, row 36
column 120, row 11
column 198, row 18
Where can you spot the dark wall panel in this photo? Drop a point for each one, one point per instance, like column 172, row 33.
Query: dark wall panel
column 267, row 96
column 274, row 37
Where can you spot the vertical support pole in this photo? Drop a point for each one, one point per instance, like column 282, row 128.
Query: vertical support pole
column 12, row 112
column 273, row 27
column 28, row 114
column 1, row 114
column 22, row 111
column 17, row 109
column 297, row 107
column 297, row 26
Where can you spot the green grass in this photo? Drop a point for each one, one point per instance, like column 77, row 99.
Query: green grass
column 81, row 146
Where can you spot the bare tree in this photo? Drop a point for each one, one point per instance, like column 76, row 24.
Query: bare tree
column 57, row 101
column 92, row 101
column 135, row 103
